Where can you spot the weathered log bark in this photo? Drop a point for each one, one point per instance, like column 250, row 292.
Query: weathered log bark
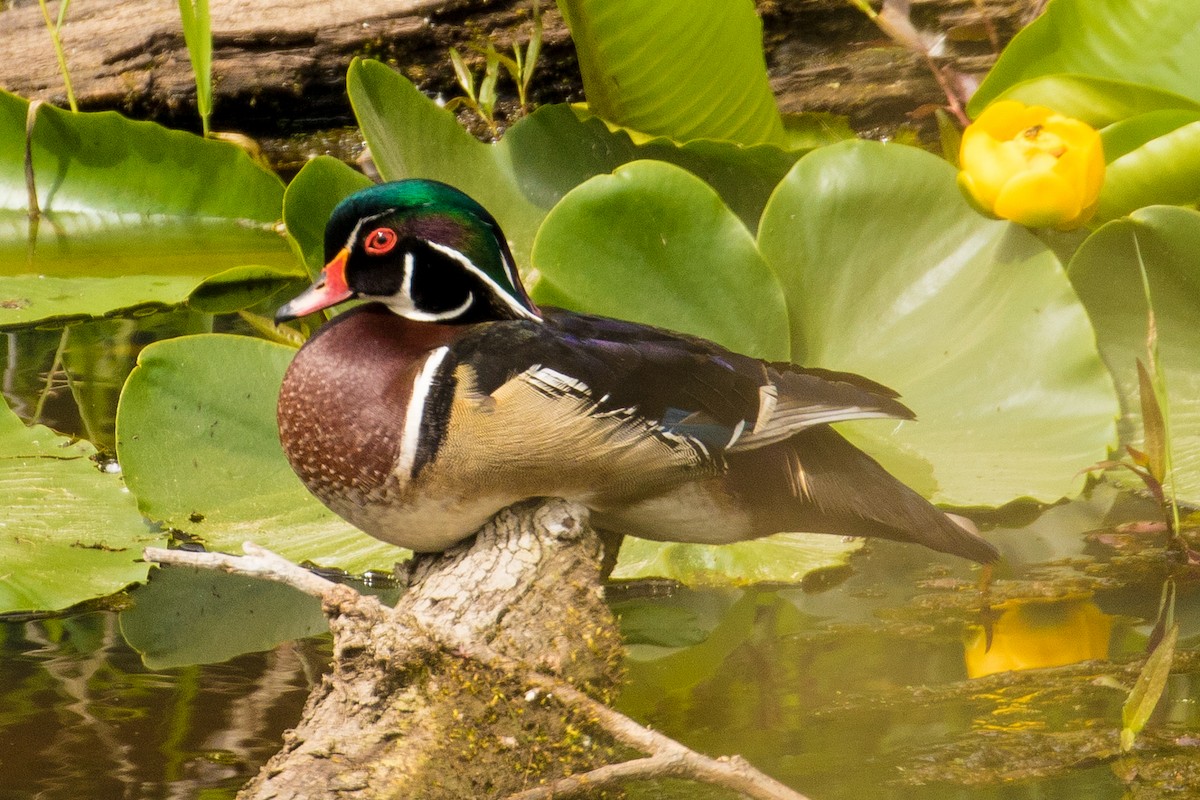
column 279, row 66
column 407, row 713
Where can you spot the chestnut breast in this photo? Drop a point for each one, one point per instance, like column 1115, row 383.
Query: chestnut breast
column 344, row 399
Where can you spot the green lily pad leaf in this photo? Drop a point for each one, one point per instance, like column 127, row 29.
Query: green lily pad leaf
column 189, row 616
column 134, row 216
column 197, row 439
column 781, row 558
column 653, row 243
column 70, row 532
column 309, row 200
column 1108, row 39
column 559, row 147
column 542, row 157
column 1164, row 169
column 676, row 68
column 1105, row 272
column 889, row 273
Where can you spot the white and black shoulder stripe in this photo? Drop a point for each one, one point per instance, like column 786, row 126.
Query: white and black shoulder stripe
column 428, row 413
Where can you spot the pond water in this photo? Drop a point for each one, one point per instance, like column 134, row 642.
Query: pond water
column 892, row 677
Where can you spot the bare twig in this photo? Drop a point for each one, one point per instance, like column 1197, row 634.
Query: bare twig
column 258, row 562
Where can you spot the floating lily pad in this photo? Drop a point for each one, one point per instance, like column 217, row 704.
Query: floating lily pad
column 889, row 273
column 133, row 216
column 197, row 438
column 1106, row 274
column 69, row 532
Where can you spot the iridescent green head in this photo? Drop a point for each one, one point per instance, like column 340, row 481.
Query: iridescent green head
column 424, row 249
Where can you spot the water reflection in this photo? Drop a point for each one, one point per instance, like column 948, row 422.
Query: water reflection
column 81, row 717
column 1028, row 634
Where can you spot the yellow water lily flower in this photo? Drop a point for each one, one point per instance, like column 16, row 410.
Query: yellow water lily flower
column 1032, row 165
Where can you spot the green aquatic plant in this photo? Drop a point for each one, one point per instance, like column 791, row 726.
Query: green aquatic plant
column 55, row 29
column 197, row 34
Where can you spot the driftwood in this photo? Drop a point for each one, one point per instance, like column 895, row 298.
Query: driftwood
column 279, row 65
column 488, row 679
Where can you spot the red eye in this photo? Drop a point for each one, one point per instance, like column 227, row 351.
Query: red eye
column 380, row 241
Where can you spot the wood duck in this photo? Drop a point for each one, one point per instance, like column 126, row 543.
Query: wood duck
column 451, row 395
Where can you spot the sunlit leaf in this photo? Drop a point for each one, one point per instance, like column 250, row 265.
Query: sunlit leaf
column 676, row 68
column 319, row 186
column 1106, row 274
column 653, row 243
column 69, row 532
column 1150, row 42
column 197, row 439
column 782, row 558
column 889, row 273
column 134, row 216
column 1096, row 101
column 1165, row 169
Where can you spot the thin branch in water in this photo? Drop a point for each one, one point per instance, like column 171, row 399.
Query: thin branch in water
column 55, row 365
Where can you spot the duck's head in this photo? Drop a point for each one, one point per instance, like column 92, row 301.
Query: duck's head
column 425, row 250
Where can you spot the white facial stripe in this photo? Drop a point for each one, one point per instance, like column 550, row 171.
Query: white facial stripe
column 358, row 226
column 519, row 309
column 415, row 412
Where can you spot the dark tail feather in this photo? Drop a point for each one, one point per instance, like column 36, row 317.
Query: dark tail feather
column 843, row 490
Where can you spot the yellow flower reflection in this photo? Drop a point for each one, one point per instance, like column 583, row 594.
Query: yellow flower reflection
column 1031, row 634
column 1032, row 165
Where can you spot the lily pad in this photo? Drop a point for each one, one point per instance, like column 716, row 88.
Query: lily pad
column 653, row 243
column 1109, row 39
column 133, row 215
column 69, row 532
column 676, row 68
column 1105, row 272
column 309, row 200
column 782, row 558
column 197, row 439
column 889, row 273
